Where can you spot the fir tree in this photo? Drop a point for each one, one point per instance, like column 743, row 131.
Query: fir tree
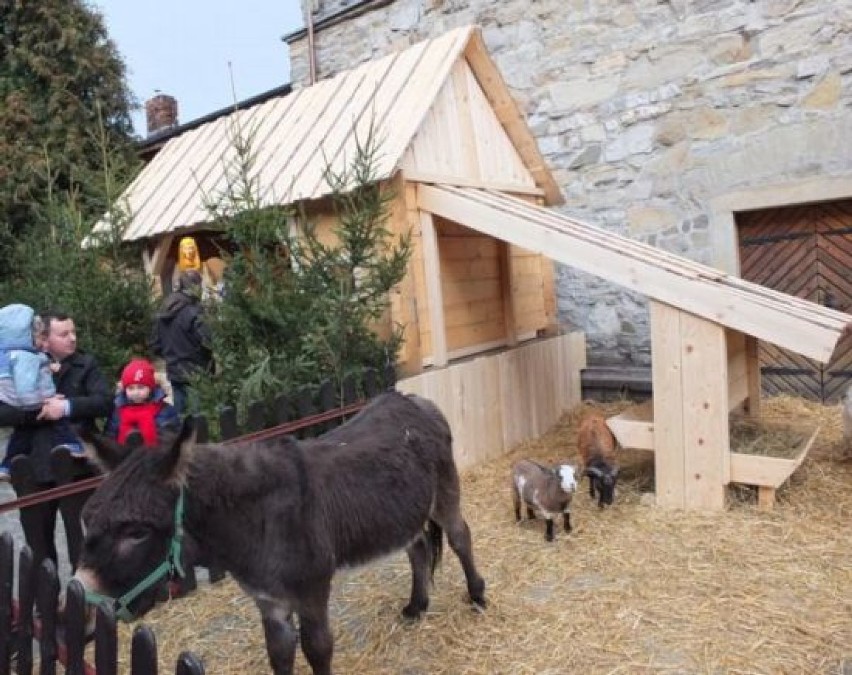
column 295, row 310
column 62, row 84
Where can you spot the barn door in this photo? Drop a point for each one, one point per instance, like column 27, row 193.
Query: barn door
column 804, row 251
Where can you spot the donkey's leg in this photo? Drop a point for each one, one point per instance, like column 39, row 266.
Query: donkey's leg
column 280, row 634
column 420, row 557
column 317, row 641
column 458, row 536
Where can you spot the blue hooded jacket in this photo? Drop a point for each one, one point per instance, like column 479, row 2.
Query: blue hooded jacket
column 25, row 377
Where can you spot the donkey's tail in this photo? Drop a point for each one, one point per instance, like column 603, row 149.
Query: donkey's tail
column 436, row 543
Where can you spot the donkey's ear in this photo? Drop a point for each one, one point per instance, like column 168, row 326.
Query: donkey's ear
column 174, row 464
column 104, row 451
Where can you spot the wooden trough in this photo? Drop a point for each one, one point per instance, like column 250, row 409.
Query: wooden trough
column 701, row 374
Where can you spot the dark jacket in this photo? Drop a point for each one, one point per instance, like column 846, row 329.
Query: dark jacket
column 80, row 380
column 181, row 337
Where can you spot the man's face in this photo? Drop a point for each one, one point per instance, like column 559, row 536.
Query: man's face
column 61, row 339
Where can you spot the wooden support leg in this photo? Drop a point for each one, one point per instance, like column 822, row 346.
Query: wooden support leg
column 765, row 498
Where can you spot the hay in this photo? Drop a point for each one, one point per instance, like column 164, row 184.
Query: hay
column 634, row 589
column 767, row 438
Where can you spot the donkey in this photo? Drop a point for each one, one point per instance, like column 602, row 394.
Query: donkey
column 281, row 516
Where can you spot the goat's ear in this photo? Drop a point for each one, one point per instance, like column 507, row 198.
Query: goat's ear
column 104, row 451
column 174, row 463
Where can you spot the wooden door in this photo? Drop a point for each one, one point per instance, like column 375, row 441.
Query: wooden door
column 804, row 251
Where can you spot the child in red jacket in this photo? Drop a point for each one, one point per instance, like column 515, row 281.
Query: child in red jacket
column 140, row 406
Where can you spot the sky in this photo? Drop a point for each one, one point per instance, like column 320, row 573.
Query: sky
column 183, row 48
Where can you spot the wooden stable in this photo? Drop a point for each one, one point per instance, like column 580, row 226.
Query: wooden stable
column 442, row 114
column 471, row 186
column 704, row 330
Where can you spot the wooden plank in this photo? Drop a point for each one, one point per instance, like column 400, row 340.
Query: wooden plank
column 414, row 101
column 432, row 270
column 768, row 471
column 667, row 379
column 509, row 115
column 752, row 375
column 525, row 227
column 506, row 274
column 405, row 217
column 673, row 263
column 634, row 428
column 417, row 175
column 706, row 440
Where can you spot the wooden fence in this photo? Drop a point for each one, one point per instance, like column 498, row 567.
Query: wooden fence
column 35, row 617
column 494, row 402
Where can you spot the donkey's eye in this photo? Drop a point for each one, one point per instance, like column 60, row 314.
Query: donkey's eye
column 136, row 535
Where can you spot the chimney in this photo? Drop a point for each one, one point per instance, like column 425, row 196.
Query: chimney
column 161, row 112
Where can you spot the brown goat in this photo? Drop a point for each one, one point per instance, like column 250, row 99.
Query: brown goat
column 596, row 446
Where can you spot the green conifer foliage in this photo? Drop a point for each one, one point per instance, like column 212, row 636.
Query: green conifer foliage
column 296, row 311
column 62, row 84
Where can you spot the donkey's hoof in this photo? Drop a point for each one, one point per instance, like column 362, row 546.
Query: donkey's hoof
column 412, row 611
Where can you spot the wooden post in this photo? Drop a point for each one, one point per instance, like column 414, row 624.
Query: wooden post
column 667, row 381
column 753, row 374
column 155, row 261
column 690, row 379
column 432, row 269
column 405, row 219
column 504, row 258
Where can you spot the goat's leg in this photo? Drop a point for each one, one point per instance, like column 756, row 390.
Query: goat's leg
column 516, row 500
column 420, row 557
column 591, row 487
column 548, row 532
column 566, row 521
column 280, row 634
column 317, row 641
column 530, row 513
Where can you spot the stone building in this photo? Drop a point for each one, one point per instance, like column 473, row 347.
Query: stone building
column 716, row 129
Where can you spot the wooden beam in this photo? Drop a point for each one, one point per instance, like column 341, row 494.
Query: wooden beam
column 504, row 258
column 539, row 230
column 706, row 440
column 154, row 261
column 753, row 376
column 405, row 218
column 634, row 428
column 432, row 269
column 667, row 379
column 509, row 114
column 466, row 181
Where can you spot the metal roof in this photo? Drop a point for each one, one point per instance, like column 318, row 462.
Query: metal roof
column 295, row 137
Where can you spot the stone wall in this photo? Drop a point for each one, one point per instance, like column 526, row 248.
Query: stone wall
column 648, row 112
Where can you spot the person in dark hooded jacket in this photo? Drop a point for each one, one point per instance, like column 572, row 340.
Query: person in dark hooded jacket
column 181, row 337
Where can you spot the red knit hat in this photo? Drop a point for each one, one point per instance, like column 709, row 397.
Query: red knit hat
column 138, row 371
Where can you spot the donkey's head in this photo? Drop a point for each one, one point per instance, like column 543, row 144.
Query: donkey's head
column 134, row 527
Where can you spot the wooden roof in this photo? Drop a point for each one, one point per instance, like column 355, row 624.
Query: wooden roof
column 296, row 136
column 784, row 320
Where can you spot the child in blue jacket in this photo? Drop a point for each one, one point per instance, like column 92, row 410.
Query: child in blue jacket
column 26, row 379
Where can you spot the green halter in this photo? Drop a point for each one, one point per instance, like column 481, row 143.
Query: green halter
column 168, row 567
